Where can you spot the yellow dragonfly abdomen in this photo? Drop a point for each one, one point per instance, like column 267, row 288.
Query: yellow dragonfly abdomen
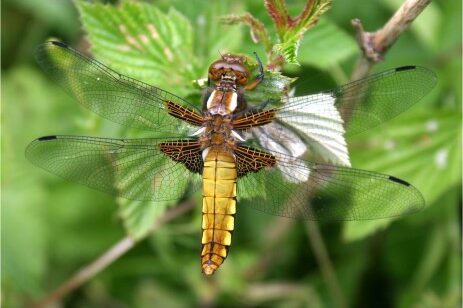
column 219, row 208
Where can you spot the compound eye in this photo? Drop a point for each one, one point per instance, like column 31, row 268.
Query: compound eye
column 241, row 77
column 215, row 73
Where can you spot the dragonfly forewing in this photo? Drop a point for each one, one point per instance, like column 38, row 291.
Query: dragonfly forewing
column 112, row 95
column 365, row 103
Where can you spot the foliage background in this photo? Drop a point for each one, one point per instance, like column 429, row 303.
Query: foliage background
column 51, row 228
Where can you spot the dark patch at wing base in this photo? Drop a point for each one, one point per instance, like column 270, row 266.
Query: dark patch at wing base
column 184, row 114
column 252, row 160
column 188, row 152
column 254, row 119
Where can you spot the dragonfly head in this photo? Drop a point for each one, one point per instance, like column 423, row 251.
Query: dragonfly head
column 229, row 68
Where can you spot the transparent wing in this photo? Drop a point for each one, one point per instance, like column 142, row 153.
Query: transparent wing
column 362, row 104
column 111, row 95
column 303, row 189
column 131, row 168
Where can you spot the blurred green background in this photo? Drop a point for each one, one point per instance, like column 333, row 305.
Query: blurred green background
column 51, row 228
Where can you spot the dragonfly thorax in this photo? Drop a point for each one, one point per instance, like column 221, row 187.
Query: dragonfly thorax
column 217, row 133
column 222, row 102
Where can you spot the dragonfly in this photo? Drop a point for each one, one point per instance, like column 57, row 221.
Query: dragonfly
column 237, row 152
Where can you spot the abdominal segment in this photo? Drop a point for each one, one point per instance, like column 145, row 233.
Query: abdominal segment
column 219, row 208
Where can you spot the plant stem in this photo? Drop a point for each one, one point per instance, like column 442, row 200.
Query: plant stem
column 376, row 44
column 87, row 272
column 324, row 261
column 274, row 237
column 108, row 257
column 262, row 293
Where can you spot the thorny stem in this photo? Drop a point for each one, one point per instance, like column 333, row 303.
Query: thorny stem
column 108, row 257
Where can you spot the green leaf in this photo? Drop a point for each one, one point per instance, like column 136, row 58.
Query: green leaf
column 288, row 49
column 140, row 41
column 163, row 49
column 272, row 87
column 422, row 147
column 139, row 216
column 291, row 30
column 326, row 45
column 211, row 35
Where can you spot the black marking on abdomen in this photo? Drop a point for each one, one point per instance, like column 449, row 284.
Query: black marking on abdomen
column 397, row 180
column 405, row 68
column 45, row 138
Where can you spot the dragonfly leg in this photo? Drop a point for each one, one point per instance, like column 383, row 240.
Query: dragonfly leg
column 259, row 76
